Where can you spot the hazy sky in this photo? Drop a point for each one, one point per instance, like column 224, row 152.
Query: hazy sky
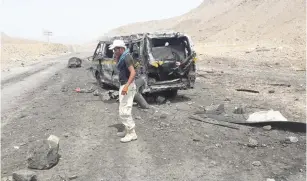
column 78, row 21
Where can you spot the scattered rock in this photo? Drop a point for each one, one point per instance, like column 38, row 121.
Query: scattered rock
column 114, row 94
column 215, row 109
column 160, row 99
column 252, row 142
column 43, row 154
column 66, row 135
column 105, row 96
column 270, row 179
column 64, row 89
column 271, row 91
column 238, row 110
column 96, row 93
column 73, row 177
column 163, row 116
column 168, row 102
column 24, row 175
column 256, row 163
column 291, row 139
column 227, row 99
column 267, row 127
column 22, row 116
column 9, row 178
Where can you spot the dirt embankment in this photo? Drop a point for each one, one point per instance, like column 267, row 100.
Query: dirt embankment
column 259, row 30
column 19, row 52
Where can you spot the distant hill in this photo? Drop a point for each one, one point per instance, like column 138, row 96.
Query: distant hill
column 15, row 51
column 236, row 21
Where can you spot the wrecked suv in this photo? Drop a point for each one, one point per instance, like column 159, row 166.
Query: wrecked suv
column 164, row 62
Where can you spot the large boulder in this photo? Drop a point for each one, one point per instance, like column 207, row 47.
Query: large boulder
column 43, row 154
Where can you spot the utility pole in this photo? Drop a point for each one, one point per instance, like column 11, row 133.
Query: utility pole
column 48, row 34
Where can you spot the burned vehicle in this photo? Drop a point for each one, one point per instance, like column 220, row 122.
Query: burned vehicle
column 164, row 62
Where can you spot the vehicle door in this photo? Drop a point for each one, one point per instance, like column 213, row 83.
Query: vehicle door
column 105, row 59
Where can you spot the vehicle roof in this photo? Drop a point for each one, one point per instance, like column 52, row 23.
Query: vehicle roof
column 138, row 36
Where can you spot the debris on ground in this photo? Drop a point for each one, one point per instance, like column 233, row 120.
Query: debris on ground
column 270, row 179
column 291, row 139
column 263, row 116
column 247, row 90
column 64, row 89
column 24, row 175
column 43, row 154
column 271, row 91
column 227, row 99
column 215, row 109
column 96, row 93
column 160, row 99
column 252, row 142
column 267, row 127
column 283, row 85
column 79, row 90
column 211, row 122
column 256, row 163
column 163, row 116
column 239, row 110
column 9, row 178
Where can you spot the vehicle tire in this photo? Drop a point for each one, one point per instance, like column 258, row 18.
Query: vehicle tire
column 171, row 93
column 140, row 100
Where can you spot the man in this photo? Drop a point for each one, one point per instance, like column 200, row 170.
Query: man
column 127, row 89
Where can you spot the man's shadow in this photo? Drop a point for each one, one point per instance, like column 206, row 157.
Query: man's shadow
column 119, row 127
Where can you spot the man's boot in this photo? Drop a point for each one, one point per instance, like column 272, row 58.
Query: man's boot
column 130, row 136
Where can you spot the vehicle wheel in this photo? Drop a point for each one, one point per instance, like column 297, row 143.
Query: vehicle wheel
column 171, row 93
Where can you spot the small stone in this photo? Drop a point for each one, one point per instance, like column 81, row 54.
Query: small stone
column 252, row 142
column 238, row 110
column 163, row 116
column 218, row 145
column 291, row 139
column 301, row 170
column 256, row 163
column 73, row 177
column 267, row 127
column 270, row 179
column 168, row 102
column 16, row 147
column 66, row 135
column 264, row 145
column 138, row 117
column 227, row 99
column 271, row 91
column 24, row 175
column 9, row 178
column 215, row 109
column 96, row 93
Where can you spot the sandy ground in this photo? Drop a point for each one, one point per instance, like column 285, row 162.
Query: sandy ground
column 172, row 147
column 17, row 52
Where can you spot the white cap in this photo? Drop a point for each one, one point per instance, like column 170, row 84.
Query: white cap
column 117, row 43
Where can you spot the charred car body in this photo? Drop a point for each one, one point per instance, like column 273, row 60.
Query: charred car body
column 164, row 62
